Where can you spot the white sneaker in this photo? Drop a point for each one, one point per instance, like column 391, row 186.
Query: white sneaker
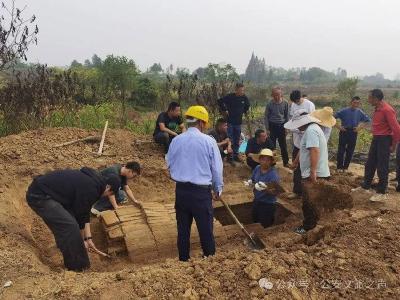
column 95, row 212
column 378, row 198
column 360, row 189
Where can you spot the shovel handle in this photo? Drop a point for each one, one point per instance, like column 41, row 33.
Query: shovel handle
column 237, row 220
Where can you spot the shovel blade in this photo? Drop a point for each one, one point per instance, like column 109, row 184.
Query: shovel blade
column 254, row 242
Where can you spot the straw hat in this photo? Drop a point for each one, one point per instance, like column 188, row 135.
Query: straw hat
column 326, row 116
column 263, row 152
column 300, row 118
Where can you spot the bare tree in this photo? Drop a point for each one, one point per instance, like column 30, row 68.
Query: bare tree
column 16, row 34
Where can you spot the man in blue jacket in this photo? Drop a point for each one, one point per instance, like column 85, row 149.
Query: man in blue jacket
column 63, row 200
column 352, row 121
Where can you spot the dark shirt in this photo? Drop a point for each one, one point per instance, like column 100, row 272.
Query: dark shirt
column 75, row 190
column 253, row 147
column 236, row 107
column 219, row 137
column 115, row 170
column 277, row 113
column 352, row 117
column 170, row 123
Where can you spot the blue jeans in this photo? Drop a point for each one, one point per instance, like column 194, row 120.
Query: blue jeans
column 234, row 132
column 104, row 204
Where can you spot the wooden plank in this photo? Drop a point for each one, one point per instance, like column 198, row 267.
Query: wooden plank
column 128, row 210
column 117, row 249
column 86, row 139
column 116, row 233
column 128, row 218
column 103, row 137
column 109, row 218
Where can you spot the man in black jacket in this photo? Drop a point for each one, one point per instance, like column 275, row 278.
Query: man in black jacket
column 256, row 144
column 63, row 200
column 233, row 106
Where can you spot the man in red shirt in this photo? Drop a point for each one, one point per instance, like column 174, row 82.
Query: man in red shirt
column 386, row 135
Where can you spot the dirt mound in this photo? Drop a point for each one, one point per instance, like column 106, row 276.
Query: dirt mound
column 353, row 252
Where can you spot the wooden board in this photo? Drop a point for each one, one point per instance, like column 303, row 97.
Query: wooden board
column 109, row 218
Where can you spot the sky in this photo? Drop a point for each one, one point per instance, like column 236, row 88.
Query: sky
column 360, row 36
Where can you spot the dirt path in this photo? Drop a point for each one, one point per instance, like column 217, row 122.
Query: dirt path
column 353, row 253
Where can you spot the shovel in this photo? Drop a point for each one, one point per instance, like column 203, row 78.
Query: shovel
column 255, row 241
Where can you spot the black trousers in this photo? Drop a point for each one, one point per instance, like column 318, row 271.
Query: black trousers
column 297, row 186
column 194, row 202
column 264, row 213
column 65, row 230
column 251, row 163
column 378, row 160
column 347, row 144
column 278, row 132
column 163, row 138
column 311, row 200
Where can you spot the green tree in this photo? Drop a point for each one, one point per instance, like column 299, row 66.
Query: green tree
column 156, row 68
column 119, row 75
column 87, row 63
column 146, row 93
column 347, row 88
column 96, row 61
column 75, row 64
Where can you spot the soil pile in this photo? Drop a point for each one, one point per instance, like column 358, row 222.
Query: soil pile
column 352, row 253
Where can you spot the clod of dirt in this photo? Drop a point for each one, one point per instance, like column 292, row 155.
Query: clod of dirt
column 314, row 235
column 253, row 271
column 190, row 294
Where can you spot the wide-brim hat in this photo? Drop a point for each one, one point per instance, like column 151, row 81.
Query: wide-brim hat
column 325, row 115
column 299, row 119
column 263, row 152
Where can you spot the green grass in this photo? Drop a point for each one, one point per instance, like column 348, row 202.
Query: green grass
column 88, row 117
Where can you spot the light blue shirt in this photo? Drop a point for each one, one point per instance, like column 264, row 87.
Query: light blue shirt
column 194, row 157
column 327, row 132
column 313, row 137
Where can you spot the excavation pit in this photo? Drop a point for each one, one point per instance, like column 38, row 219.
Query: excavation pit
column 243, row 212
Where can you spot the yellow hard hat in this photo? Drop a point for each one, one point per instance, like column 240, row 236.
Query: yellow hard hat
column 199, row 112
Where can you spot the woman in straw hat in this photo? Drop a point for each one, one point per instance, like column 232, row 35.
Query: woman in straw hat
column 325, row 115
column 264, row 204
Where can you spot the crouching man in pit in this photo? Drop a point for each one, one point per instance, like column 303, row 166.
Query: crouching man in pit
column 125, row 172
column 63, row 200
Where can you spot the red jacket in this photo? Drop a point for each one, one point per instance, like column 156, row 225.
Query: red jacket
column 384, row 122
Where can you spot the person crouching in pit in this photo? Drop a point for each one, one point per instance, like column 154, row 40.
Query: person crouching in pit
column 264, row 204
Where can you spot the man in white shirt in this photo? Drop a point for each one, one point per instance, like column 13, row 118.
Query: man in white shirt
column 298, row 102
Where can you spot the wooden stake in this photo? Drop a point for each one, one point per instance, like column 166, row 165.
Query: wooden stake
column 86, row 139
column 103, row 137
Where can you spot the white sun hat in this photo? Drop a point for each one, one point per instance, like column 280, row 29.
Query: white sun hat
column 300, row 118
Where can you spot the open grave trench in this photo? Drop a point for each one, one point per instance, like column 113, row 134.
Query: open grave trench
column 149, row 234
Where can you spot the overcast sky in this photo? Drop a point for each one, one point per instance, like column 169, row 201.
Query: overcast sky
column 360, row 36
